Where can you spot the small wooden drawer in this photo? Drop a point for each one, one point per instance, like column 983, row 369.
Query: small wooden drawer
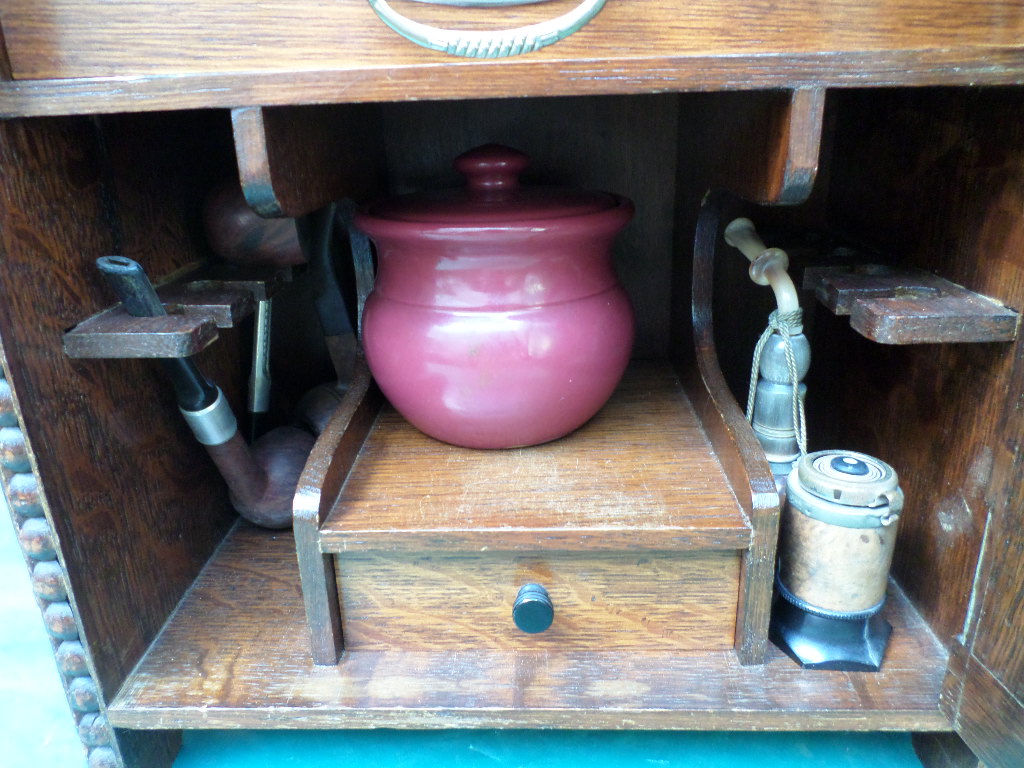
column 671, row 601
column 629, row 523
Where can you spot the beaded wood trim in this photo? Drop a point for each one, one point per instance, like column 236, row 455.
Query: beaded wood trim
column 33, row 522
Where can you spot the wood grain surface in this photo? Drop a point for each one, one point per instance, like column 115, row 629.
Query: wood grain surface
column 122, row 480
column 327, row 467
column 953, row 421
column 773, row 139
column 640, row 475
column 76, row 38
column 742, row 457
column 77, row 56
column 987, row 712
column 235, row 655
column 448, row 602
column 945, row 416
column 121, row 473
column 115, row 334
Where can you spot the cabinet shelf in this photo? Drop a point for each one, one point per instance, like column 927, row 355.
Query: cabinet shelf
column 235, row 654
column 639, row 476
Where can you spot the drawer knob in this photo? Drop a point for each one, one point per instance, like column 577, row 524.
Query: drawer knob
column 532, row 610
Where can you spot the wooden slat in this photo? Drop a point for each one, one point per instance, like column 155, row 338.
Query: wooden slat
column 768, row 143
column 742, row 456
column 326, row 468
column 116, row 334
column 235, row 655
column 640, row 475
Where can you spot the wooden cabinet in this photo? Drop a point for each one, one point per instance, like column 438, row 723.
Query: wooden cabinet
column 882, row 130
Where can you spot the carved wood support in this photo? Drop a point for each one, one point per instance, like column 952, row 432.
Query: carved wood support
column 295, row 160
column 741, row 454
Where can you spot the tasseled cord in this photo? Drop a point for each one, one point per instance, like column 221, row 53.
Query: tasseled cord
column 786, row 325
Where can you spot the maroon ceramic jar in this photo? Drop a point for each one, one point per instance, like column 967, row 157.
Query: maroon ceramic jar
column 497, row 319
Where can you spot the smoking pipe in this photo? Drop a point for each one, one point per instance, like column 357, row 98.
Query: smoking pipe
column 261, row 479
column 239, row 236
column 775, row 403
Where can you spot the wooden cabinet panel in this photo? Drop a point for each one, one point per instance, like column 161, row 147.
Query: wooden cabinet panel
column 208, row 53
column 76, row 38
column 952, row 421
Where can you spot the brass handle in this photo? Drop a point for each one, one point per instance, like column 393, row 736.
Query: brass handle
column 488, row 45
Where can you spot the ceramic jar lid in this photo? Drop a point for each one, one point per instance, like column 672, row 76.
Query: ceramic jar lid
column 492, row 195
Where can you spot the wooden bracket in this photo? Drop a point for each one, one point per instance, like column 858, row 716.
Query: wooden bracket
column 197, row 305
column 295, row 160
column 768, row 143
column 904, row 306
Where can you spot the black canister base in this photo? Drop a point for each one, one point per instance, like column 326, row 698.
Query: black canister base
column 821, row 642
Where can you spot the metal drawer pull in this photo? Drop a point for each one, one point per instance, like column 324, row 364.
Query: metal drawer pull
column 488, row 45
column 532, row 610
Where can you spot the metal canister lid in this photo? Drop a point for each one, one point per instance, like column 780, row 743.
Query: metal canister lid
column 846, row 488
column 848, row 477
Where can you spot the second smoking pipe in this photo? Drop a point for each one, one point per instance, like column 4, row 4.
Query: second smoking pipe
column 261, row 479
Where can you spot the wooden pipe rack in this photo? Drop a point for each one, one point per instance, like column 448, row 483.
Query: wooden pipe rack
column 197, row 303
column 910, row 306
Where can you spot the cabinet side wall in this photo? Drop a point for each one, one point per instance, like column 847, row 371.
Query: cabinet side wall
column 136, row 506
column 936, row 179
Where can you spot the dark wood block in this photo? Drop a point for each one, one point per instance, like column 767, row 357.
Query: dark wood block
column 116, row 334
column 893, row 306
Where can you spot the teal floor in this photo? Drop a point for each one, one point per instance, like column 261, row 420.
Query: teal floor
column 37, row 730
column 544, row 749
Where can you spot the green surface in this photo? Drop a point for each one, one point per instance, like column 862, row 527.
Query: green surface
column 547, row 749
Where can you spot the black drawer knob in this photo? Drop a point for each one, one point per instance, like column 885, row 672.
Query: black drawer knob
column 532, row 610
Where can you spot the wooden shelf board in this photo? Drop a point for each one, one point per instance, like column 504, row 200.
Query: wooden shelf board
column 235, row 654
column 640, row 475
column 76, row 56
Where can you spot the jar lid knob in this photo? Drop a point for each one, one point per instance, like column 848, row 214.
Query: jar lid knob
column 492, row 168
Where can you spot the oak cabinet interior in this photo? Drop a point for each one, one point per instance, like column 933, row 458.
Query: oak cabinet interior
column 161, row 573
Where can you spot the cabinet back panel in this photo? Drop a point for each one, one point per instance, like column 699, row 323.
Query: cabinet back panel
column 625, row 145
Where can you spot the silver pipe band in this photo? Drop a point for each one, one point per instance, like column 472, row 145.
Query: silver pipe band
column 214, row 424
